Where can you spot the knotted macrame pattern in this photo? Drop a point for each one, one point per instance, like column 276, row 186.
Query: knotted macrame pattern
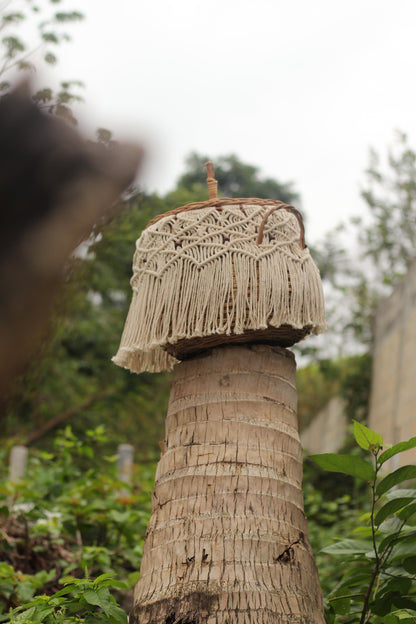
column 201, row 272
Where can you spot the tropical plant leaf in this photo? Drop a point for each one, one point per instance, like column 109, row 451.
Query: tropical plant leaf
column 390, row 508
column 397, row 448
column 353, row 466
column 409, row 564
column 408, row 511
column 365, row 437
column 394, row 478
column 348, row 547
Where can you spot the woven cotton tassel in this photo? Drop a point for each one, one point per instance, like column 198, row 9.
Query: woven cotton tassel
column 203, row 272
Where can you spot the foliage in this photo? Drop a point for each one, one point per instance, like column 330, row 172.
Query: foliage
column 361, row 270
column 330, row 514
column 389, row 240
column 47, row 25
column 378, row 584
column 80, row 600
column 79, row 528
column 320, row 381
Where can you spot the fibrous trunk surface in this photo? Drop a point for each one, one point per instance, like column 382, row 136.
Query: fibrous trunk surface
column 227, row 542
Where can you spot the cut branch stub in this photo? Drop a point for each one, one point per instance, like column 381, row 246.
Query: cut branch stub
column 211, row 181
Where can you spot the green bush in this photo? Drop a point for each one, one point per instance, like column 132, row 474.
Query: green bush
column 379, row 558
column 71, row 536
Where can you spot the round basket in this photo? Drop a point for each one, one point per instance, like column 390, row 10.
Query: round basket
column 220, row 271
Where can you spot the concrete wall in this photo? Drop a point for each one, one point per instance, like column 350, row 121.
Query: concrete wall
column 393, row 388
column 327, row 431
column 393, row 394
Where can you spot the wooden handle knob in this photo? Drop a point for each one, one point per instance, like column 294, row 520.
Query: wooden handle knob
column 211, row 181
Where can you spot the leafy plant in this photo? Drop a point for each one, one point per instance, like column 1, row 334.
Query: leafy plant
column 378, row 585
column 80, row 600
column 74, row 525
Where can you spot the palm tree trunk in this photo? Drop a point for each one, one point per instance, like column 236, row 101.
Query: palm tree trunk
column 227, row 541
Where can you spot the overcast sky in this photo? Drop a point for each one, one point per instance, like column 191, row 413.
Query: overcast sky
column 300, row 88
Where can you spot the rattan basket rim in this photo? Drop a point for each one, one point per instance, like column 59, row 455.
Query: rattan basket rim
column 218, row 202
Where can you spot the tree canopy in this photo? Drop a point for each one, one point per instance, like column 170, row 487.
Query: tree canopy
column 388, row 239
column 235, row 179
column 31, row 33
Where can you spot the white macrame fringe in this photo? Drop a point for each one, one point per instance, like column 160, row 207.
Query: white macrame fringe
column 210, row 288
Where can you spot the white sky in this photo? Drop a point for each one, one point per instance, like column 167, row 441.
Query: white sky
column 300, row 88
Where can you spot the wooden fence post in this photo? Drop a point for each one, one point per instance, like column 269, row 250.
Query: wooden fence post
column 17, row 463
column 125, row 453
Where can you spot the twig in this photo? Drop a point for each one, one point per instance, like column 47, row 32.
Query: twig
column 373, row 534
column 347, row 596
column 58, row 420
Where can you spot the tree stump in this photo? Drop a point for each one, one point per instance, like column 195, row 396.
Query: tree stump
column 228, row 541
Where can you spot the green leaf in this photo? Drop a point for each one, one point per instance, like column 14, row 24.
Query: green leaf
column 103, row 577
column 401, row 616
column 13, row 17
column 341, row 605
column 390, row 508
column 4, row 511
column 402, row 492
column 25, row 591
column 403, row 602
column 354, row 466
column 394, row 478
column 348, row 547
column 366, row 438
column 63, row 592
column 133, row 577
column 398, row 585
column 50, row 37
column 408, row 511
column 409, row 564
column 382, row 604
column 92, row 597
column 25, row 616
column 50, row 58
column 101, row 598
column 404, row 545
column 115, row 584
column 68, row 16
column 354, row 579
column 397, row 448
column 117, row 615
column 390, row 526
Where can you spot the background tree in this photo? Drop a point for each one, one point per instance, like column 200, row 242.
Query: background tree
column 388, row 239
column 363, row 261
column 235, row 179
column 45, row 28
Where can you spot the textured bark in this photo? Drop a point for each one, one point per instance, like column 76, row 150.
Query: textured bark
column 227, row 541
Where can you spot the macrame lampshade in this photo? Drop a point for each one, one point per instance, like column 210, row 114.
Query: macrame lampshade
column 219, row 271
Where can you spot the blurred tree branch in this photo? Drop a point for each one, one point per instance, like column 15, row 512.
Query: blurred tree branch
column 54, row 189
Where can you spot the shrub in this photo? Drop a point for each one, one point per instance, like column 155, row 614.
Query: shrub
column 380, row 558
column 71, row 536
